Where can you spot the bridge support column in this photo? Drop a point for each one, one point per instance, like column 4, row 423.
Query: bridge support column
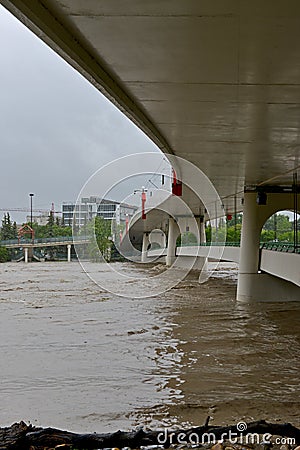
column 249, row 256
column 201, row 262
column 145, row 247
column 69, row 252
column 201, row 229
column 26, row 254
column 172, row 237
column 202, row 234
column 252, row 284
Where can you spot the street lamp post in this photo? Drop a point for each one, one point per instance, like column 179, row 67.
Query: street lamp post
column 31, row 195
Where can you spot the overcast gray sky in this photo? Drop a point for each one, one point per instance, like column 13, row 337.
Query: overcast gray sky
column 55, row 128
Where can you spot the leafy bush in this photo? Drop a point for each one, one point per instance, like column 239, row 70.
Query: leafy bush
column 4, row 254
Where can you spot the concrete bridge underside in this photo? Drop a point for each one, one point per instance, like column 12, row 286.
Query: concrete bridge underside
column 214, row 82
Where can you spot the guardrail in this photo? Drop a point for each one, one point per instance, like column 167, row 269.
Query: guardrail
column 287, row 247
column 210, row 244
column 67, row 239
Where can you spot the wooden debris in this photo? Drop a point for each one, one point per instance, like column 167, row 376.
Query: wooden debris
column 26, row 437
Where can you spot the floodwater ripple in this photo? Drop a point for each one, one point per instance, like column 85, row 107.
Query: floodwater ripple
column 76, row 357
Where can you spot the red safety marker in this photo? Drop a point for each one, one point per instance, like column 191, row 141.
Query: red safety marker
column 176, row 185
column 143, row 204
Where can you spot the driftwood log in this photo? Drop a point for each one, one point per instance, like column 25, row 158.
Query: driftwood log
column 26, row 437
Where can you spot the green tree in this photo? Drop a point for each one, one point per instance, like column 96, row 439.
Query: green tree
column 44, row 231
column 102, row 230
column 279, row 223
column 278, row 228
column 235, row 219
column 267, row 235
column 50, row 221
column 103, row 233
column 186, row 238
column 4, row 254
column 15, row 230
column 234, row 233
column 218, row 234
column 208, row 233
column 50, row 224
column 7, row 230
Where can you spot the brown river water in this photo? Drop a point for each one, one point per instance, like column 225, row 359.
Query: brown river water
column 76, row 357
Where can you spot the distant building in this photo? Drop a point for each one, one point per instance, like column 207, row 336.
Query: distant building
column 42, row 219
column 81, row 213
column 90, row 207
column 109, row 209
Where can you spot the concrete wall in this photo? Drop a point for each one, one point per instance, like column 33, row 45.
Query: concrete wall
column 282, row 265
column 226, row 254
column 214, row 252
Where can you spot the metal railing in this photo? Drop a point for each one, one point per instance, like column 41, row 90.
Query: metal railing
column 287, row 247
column 208, row 244
column 66, row 239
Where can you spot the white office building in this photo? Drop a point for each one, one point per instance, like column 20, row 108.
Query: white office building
column 90, row 207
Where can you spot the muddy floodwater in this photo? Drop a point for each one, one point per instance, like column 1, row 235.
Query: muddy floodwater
column 74, row 356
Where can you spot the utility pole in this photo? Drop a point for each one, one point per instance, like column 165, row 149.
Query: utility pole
column 31, row 196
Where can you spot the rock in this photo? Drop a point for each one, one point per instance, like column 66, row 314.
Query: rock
column 285, row 447
column 217, row 446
